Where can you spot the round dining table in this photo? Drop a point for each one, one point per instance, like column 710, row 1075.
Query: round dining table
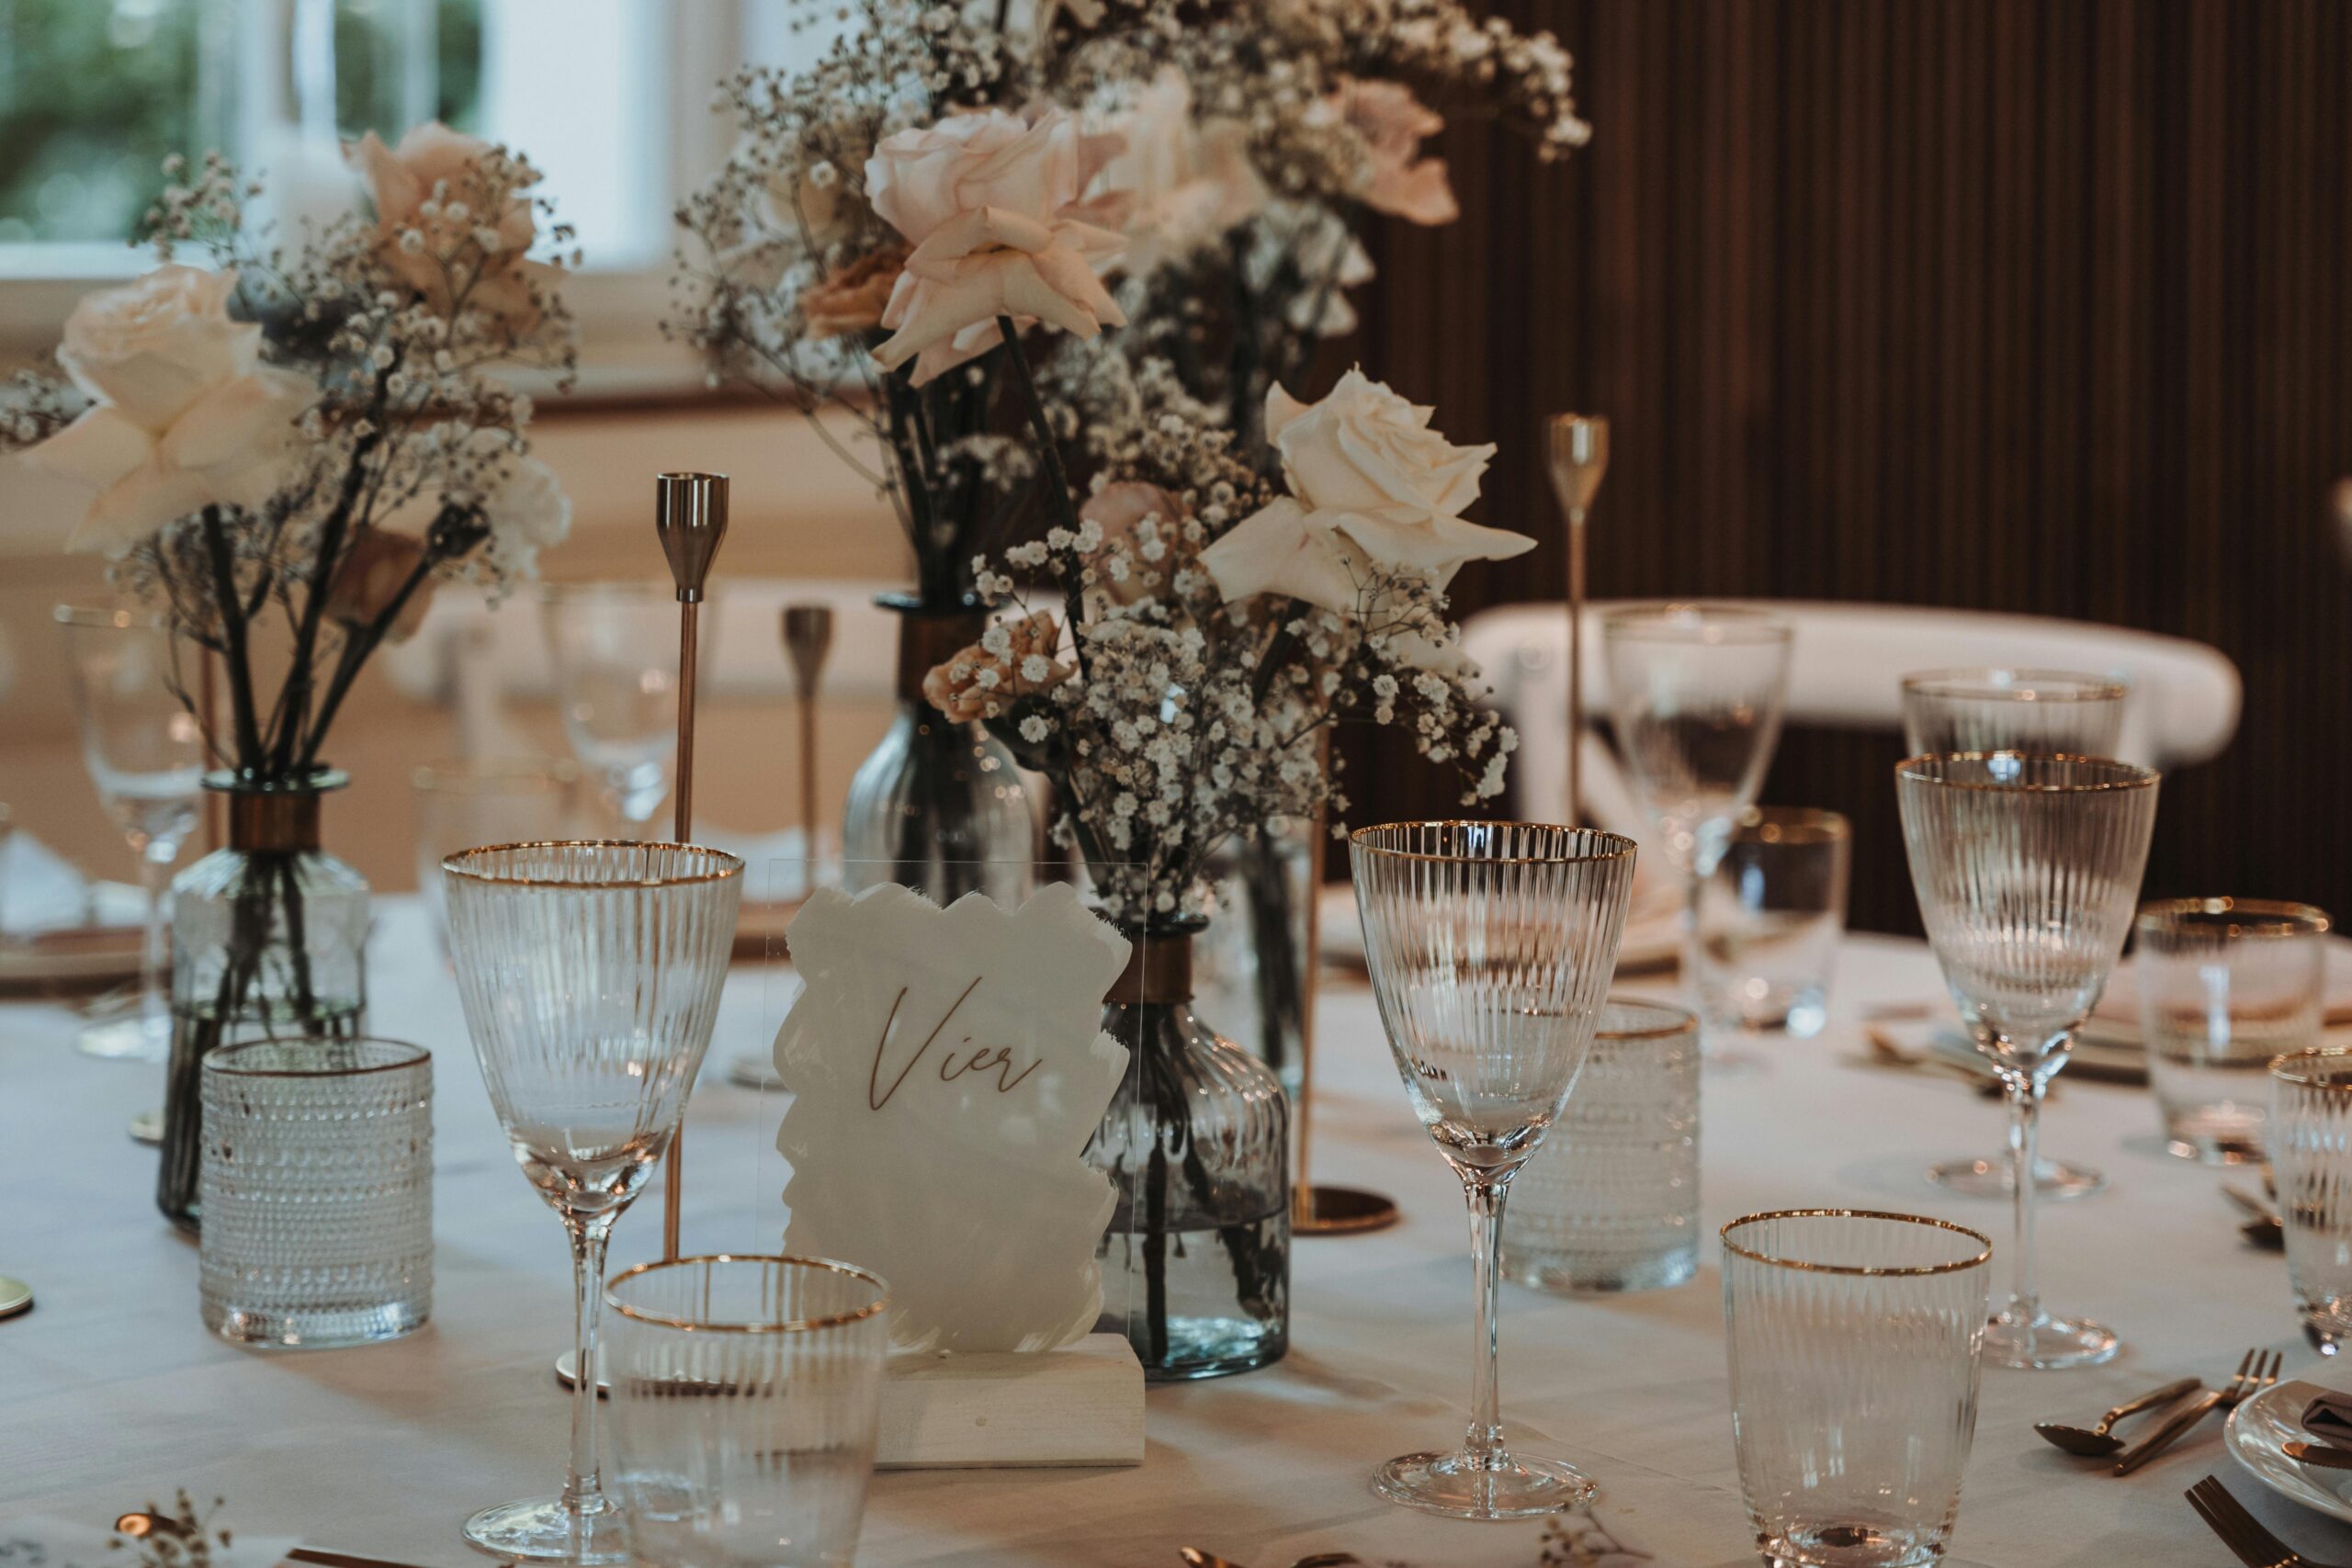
column 112, row 1392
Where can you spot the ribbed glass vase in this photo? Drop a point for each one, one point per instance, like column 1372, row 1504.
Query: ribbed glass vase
column 1196, row 1259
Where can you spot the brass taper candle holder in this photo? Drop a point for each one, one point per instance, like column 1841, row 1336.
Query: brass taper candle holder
column 1579, row 447
column 808, row 639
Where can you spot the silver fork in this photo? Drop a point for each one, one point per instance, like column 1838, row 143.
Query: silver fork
column 2241, row 1531
column 2256, row 1371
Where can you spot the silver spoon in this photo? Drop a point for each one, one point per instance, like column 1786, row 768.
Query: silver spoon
column 2093, row 1442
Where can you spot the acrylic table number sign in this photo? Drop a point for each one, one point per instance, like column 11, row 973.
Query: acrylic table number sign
column 946, row 1069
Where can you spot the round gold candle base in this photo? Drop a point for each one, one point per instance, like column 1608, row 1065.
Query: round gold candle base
column 147, row 1127
column 16, row 1297
column 1342, row 1211
column 567, row 1373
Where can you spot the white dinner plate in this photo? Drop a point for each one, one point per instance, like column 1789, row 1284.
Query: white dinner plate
column 2257, row 1433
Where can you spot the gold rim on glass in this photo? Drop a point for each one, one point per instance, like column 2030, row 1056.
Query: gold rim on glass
column 881, row 1303
column 1620, row 847
column 455, row 865
column 1901, row 1271
column 1683, row 1020
column 1792, row 825
column 2231, row 918
column 2301, row 1068
column 2128, row 775
column 220, row 1061
column 1696, row 621
column 2001, row 684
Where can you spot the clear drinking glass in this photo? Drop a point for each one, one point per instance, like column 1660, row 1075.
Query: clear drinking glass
column 465, row 803
column 591, row 974
column 1769, row 919
column 317, row 1184
column 2026, row 869
column 1699, row 691
column 746, row 1393
column 2311, row 1156
column 614, row 648
column 1995, row 709
column 1490, row 946
column 1610, row 1200
column 2225, row 985
column 1853, row 1343
column 145, row 753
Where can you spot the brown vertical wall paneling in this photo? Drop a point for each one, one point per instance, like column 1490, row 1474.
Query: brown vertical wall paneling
column 2032, row 305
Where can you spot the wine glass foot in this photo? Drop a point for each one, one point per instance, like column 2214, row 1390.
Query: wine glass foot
column 2053, row 1179
column 543, row 1529
column 133, row 1037
column 1510, row 1486
column 2043, row 1343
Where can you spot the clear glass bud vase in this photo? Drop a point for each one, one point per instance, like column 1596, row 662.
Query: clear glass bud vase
column 269, row 942
column 1196, row 1259
column 1250, row 965
column 939, row 807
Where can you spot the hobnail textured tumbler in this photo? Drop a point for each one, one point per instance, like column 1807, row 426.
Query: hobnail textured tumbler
column 746, row 1396
column 317, row 1181
column 1852, row 1339
column 1610, row 1199
column 2311, row 1155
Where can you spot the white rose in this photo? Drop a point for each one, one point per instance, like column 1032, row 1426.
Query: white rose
column 526, row 513
column 1373, row 490
column 184, row 417
column 991, row 204
column 1186, row 182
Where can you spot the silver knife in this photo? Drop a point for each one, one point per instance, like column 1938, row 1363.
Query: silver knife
column 2180, row 1421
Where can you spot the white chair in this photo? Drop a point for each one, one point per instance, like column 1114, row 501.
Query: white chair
column 474, row 658
column 1846, row 671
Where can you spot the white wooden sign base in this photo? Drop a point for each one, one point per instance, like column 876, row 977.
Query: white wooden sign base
column 1081, row 1404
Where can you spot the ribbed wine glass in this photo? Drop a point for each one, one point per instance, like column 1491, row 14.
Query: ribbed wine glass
column 2027, row 872
column 1491, row 946
column 2000, row 709
column 1699, row 691
column 591, row 974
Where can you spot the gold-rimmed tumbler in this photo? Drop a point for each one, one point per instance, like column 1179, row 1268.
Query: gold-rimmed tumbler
column 746, row 1394
column 1852, row 1339
column 591, row 974
column 1491, row 946
column 2000, row 708
column 2026, row 870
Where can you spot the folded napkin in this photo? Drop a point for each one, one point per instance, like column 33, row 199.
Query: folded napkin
column 41, row 891
column 2329, row 1418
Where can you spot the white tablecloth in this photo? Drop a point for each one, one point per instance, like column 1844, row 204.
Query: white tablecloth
column 111, row 1392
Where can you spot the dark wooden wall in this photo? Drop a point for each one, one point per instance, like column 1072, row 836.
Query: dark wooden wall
column 2030, row 305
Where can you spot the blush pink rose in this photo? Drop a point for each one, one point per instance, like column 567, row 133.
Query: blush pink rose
column 460, row 250
column 993, row 206
column 1393, row 123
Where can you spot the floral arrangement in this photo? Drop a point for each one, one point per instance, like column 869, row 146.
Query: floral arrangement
column 292, row 447
column 1213, row 627
column 943, row 179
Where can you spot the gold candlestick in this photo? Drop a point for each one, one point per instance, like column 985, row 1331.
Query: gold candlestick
column 1579, row 459
column 690, row 516
column 808, row 639
column 1322, row 1211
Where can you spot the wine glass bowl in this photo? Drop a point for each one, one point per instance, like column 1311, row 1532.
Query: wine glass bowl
column 2027, row 872
column 1491, row 946
column 590, row 973
column 615, row 648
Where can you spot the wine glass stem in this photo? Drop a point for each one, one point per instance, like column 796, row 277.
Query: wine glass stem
column 1485, row 1442
column 154, row 874
column 2024, row 1093
column 582, row 1487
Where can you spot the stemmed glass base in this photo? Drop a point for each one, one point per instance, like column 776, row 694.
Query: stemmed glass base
column 2053, row 1180
column 2043, row 1343
column 1507, row 1486
column 543, row 1529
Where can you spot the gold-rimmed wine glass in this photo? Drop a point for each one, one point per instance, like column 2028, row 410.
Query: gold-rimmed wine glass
column 1491, row 946
column 2000, row 708
column 591, row 974
column 2027, row 872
